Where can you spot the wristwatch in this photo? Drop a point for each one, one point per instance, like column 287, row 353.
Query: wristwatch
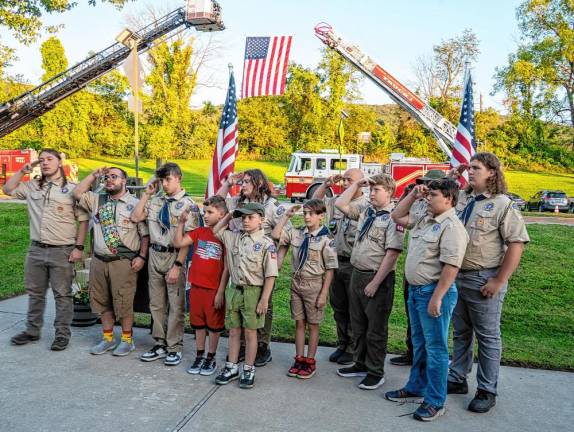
column 79, row 247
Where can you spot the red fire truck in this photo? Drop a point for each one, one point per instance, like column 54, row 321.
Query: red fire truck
column 308, row 170
column 12, row 160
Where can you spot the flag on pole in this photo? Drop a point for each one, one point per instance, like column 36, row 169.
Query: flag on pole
column 265, row 66
column 134, row 73
column 226, row 147
column 464, row 143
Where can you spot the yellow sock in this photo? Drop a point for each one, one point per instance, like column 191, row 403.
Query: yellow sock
column 127, row 337
column 108, row 335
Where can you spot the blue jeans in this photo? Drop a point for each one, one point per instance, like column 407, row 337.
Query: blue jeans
column 428, row 376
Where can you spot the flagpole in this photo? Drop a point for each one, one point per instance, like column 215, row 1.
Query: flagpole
column 136, row 107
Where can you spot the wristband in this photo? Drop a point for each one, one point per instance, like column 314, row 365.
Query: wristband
column 178, row 264
column 141, row 256
column 79, row 247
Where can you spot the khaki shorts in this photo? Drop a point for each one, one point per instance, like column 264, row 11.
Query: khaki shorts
column 304, row 293
column 112, row 287
column 241, row 304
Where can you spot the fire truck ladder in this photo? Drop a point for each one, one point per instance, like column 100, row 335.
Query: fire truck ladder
column 442, row 129
column 39, row 100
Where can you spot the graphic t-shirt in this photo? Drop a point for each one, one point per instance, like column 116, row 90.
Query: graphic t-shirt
column 207, row 259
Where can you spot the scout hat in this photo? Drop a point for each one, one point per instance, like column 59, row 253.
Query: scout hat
column 249, row 208
column 431, row 175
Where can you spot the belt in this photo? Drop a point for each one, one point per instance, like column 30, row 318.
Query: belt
column 342, row 258
column 46, row 245
column 479, row 270
column 108, row 258
column 159, row 248
column 365, row 271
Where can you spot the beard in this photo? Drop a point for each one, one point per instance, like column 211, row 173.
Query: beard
column 114, row 189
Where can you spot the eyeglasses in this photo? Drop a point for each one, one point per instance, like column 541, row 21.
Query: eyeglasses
column 112, row 177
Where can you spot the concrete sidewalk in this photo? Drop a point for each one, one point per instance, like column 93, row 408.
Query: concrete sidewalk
column 74, row 391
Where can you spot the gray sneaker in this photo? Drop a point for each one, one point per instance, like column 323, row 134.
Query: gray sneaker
column 123, row 349
column 103, row 347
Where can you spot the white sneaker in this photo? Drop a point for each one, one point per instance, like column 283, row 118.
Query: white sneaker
column 173, row 358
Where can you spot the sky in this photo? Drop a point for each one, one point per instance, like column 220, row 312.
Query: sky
column 393, row 33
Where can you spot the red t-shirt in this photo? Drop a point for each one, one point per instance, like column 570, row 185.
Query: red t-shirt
column 207, row 259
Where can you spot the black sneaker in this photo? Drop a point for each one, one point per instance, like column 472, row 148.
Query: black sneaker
column 23, row 338
column 263, row 355
column 230, row 372
column 457, row 388
column 173, row 358
column 157, row 352
column 483, row 401
column 345, row 359
column 402, row 395
column 60, row 343
column 247, row 379
column 352, row 371
column 371, row 382
column 195, row 367
column 404, row 360
column 208, row 367
column 428, row 412
column 336, row 355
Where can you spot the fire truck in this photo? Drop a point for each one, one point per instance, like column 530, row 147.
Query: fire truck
column 308, row 170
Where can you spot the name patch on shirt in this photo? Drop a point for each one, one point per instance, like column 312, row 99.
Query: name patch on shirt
column 436, row 227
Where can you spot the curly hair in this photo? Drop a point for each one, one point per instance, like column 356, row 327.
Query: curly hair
column 496, row 184
column 261, row 189
column 56, row 154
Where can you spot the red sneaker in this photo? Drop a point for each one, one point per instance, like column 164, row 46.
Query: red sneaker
column 296, row 368
column 308, row 369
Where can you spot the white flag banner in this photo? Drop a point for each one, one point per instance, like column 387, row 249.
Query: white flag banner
column 131, row 104
column 130, row 70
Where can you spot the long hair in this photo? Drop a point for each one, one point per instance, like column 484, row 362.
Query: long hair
column 55, row 153
column 496, row 184
column 261, row 189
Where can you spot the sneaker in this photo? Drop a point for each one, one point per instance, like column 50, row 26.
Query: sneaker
column 23, row 338
column 371, row 382
column 336, row 355
column 208, row 367
column 229, row 373
column 402, row 395
column 173, row 358
column 263, row 355
column 345, row 359
column 123, row 349
column 60, row 343
column 157, row 352
column 103, row 347
column 428, row 412
column 404, row 360
column 308, row 370
column 457, row 388
column 352, row 371
column 195, row 367
column 483, row 401
column 294, row 370
column 247, row 379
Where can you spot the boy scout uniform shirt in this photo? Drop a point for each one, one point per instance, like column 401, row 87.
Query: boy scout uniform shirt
column 344, row 228
column 493, row 223
column 321, row 256
column 251, row 257
column 52, row 211
column 273, row 213
column 435, row 240
column 418, row 209
column 384, row 234
column 130, row 233
column 181, row 202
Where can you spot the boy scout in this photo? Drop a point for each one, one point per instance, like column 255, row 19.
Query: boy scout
column 314, row 259
column 166, row 276
column 252, row 262
column 120, row 251
column 436, row 249
column 497, row 237
column 374, row 257
column 345, row 231
column 56, row 244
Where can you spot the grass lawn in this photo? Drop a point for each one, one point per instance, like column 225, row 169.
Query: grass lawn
column 537, row 323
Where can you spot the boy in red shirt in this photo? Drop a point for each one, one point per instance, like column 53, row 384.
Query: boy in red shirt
column 208, row 276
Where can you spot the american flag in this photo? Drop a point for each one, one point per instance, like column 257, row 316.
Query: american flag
column 464, row 145
column 265, row 66
column 226, row 147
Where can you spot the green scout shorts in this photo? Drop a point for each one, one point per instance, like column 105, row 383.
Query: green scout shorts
column 241, row 306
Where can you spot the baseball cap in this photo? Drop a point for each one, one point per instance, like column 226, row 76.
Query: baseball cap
column 431, row 175
column 249, row 208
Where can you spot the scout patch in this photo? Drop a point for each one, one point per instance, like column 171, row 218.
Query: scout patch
column 271, row 249
column 489, row 206
column 257, row 247
column 316, row 239
column 515, row 206
column 65, row 190
column 400, row 229
column 436, row 227
column 345, row 224
column 385, row 217
column 130, row 207
column 194, row 208
column 179, row 205
column 332, row 243
column 280, row 210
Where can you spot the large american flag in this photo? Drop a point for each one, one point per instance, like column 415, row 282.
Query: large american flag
column 226, row 147
column 265, row 65
column 464, row 144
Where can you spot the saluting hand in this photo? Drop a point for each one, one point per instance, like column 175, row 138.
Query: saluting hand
column 292, row 210
column 233, row 178
column 29, row 167
column 334, row 179
column 420, row 191
column 151, row 187
column 364, row 182
column 101, row 171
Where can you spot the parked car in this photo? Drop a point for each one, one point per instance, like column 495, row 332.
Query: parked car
column 548, row 200
column 520, row 202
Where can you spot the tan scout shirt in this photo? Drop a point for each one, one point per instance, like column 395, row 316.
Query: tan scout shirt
column 418, row 209
column 52, row 211
column 251, row 257
column 384, row 234
column 130, row 233
column 435, row 240
column 321, row 256
column 273, row 213
column 176, row 208
column 493, row 223
column 343, row 227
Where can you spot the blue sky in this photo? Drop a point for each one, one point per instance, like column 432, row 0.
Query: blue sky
column 393, row 33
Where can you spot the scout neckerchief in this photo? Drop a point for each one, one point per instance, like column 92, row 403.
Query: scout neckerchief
column 107, row 218
column 371, row 216
column 304, row 250
column 467, row 211
column 164, row 216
